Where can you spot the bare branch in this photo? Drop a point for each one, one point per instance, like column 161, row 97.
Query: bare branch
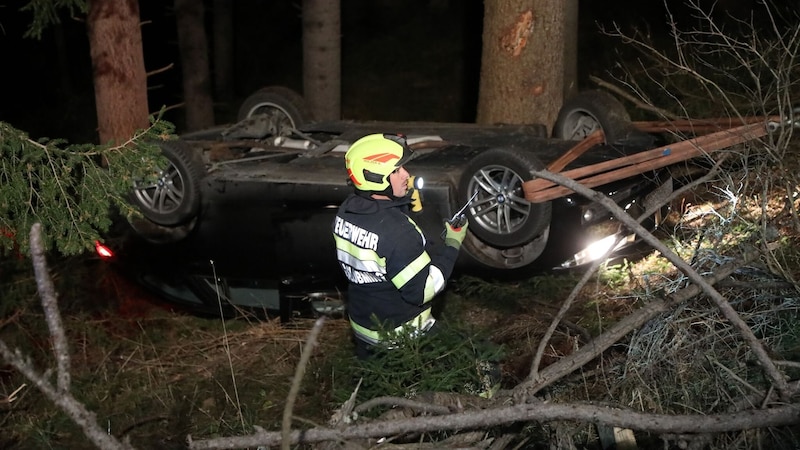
column 542, row 412
column 59, row 395
column 423, row 407
column 639, row 104
column 620, row 329
column 50, row 304
column 747, row 334
column 534, row 372
column 311, row 342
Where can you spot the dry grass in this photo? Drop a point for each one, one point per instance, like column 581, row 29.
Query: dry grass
column 158, row 376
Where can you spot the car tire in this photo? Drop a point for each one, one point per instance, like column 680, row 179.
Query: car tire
column 173, row 198
column 594, row 110
column 500, row 215
column 286, row 105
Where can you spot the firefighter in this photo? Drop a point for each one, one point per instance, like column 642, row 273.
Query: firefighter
column 393, row 270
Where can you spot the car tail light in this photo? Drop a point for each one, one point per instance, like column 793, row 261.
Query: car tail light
column 103, row 251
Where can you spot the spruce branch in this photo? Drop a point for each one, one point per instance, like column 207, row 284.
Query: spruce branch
column 71, row 189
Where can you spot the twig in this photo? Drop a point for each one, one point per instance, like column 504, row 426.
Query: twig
column 226, row 345
column 12, row 397
column 794, row 364
column 735, row 377
column 160, row 69
column 286, row 427
column 587, row 275
column 142, row 422
column 639, row 104
column 405, row 403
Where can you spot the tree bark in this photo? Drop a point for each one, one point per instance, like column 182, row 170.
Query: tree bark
column 322, row 58
column 120, row 80
column 522, row 69
column 199, row 106
column 570, row 48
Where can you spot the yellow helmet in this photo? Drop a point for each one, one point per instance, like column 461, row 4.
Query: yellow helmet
column 371, row 159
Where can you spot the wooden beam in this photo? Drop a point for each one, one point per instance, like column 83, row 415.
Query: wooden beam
column 541, row 190
column 570, row 155
column 696, row 125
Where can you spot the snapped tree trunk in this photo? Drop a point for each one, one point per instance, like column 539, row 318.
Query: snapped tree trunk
column 522, row 68
column 120, row 80
column 198, row 104
column 322, row 78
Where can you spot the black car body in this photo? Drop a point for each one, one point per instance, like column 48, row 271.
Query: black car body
column 258, row 197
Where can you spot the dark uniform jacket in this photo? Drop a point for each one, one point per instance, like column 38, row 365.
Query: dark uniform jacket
column 385, row 256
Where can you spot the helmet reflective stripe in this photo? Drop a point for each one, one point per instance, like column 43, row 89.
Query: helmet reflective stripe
column 382, row 157
column 419, row 324
column 359, row 258
column 371, row 159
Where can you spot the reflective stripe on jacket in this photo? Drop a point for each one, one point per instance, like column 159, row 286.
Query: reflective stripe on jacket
column 393, row 271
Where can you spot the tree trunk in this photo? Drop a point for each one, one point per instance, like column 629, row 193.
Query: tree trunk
column 322, row 79
column 120, row 80
column 199, row 107
column 522, row 69
column 223, row 50
column 570, row 48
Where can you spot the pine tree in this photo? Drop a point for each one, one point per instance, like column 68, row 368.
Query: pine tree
column 71, row 189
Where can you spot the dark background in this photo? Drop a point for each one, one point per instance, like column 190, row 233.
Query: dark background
column 400, row 60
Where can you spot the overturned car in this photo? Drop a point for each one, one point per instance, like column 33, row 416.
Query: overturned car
column 287, row 172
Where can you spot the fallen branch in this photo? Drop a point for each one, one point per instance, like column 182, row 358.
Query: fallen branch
column 722, row 304
column 540, row 412
column 44, row 284
column 59, row 395
column 311, row 342
column 534, row 372
column 622, row 328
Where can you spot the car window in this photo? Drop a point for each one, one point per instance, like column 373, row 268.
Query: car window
column 250, row 293
column 171, row 288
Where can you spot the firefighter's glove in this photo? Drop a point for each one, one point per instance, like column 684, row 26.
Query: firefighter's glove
column 454, row 236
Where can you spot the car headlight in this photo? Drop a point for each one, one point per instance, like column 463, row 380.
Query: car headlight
column 598, row 249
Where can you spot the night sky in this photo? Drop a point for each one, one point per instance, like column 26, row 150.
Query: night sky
column 401, row 60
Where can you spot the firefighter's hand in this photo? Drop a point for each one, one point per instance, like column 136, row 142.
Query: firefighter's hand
column 455, row 236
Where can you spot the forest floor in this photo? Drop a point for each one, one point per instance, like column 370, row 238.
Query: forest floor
column 155, row 375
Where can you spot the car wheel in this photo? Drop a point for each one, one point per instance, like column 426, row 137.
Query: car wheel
column 283, row 104
column 590, row 111
column 500, row 214
column 171, row 195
